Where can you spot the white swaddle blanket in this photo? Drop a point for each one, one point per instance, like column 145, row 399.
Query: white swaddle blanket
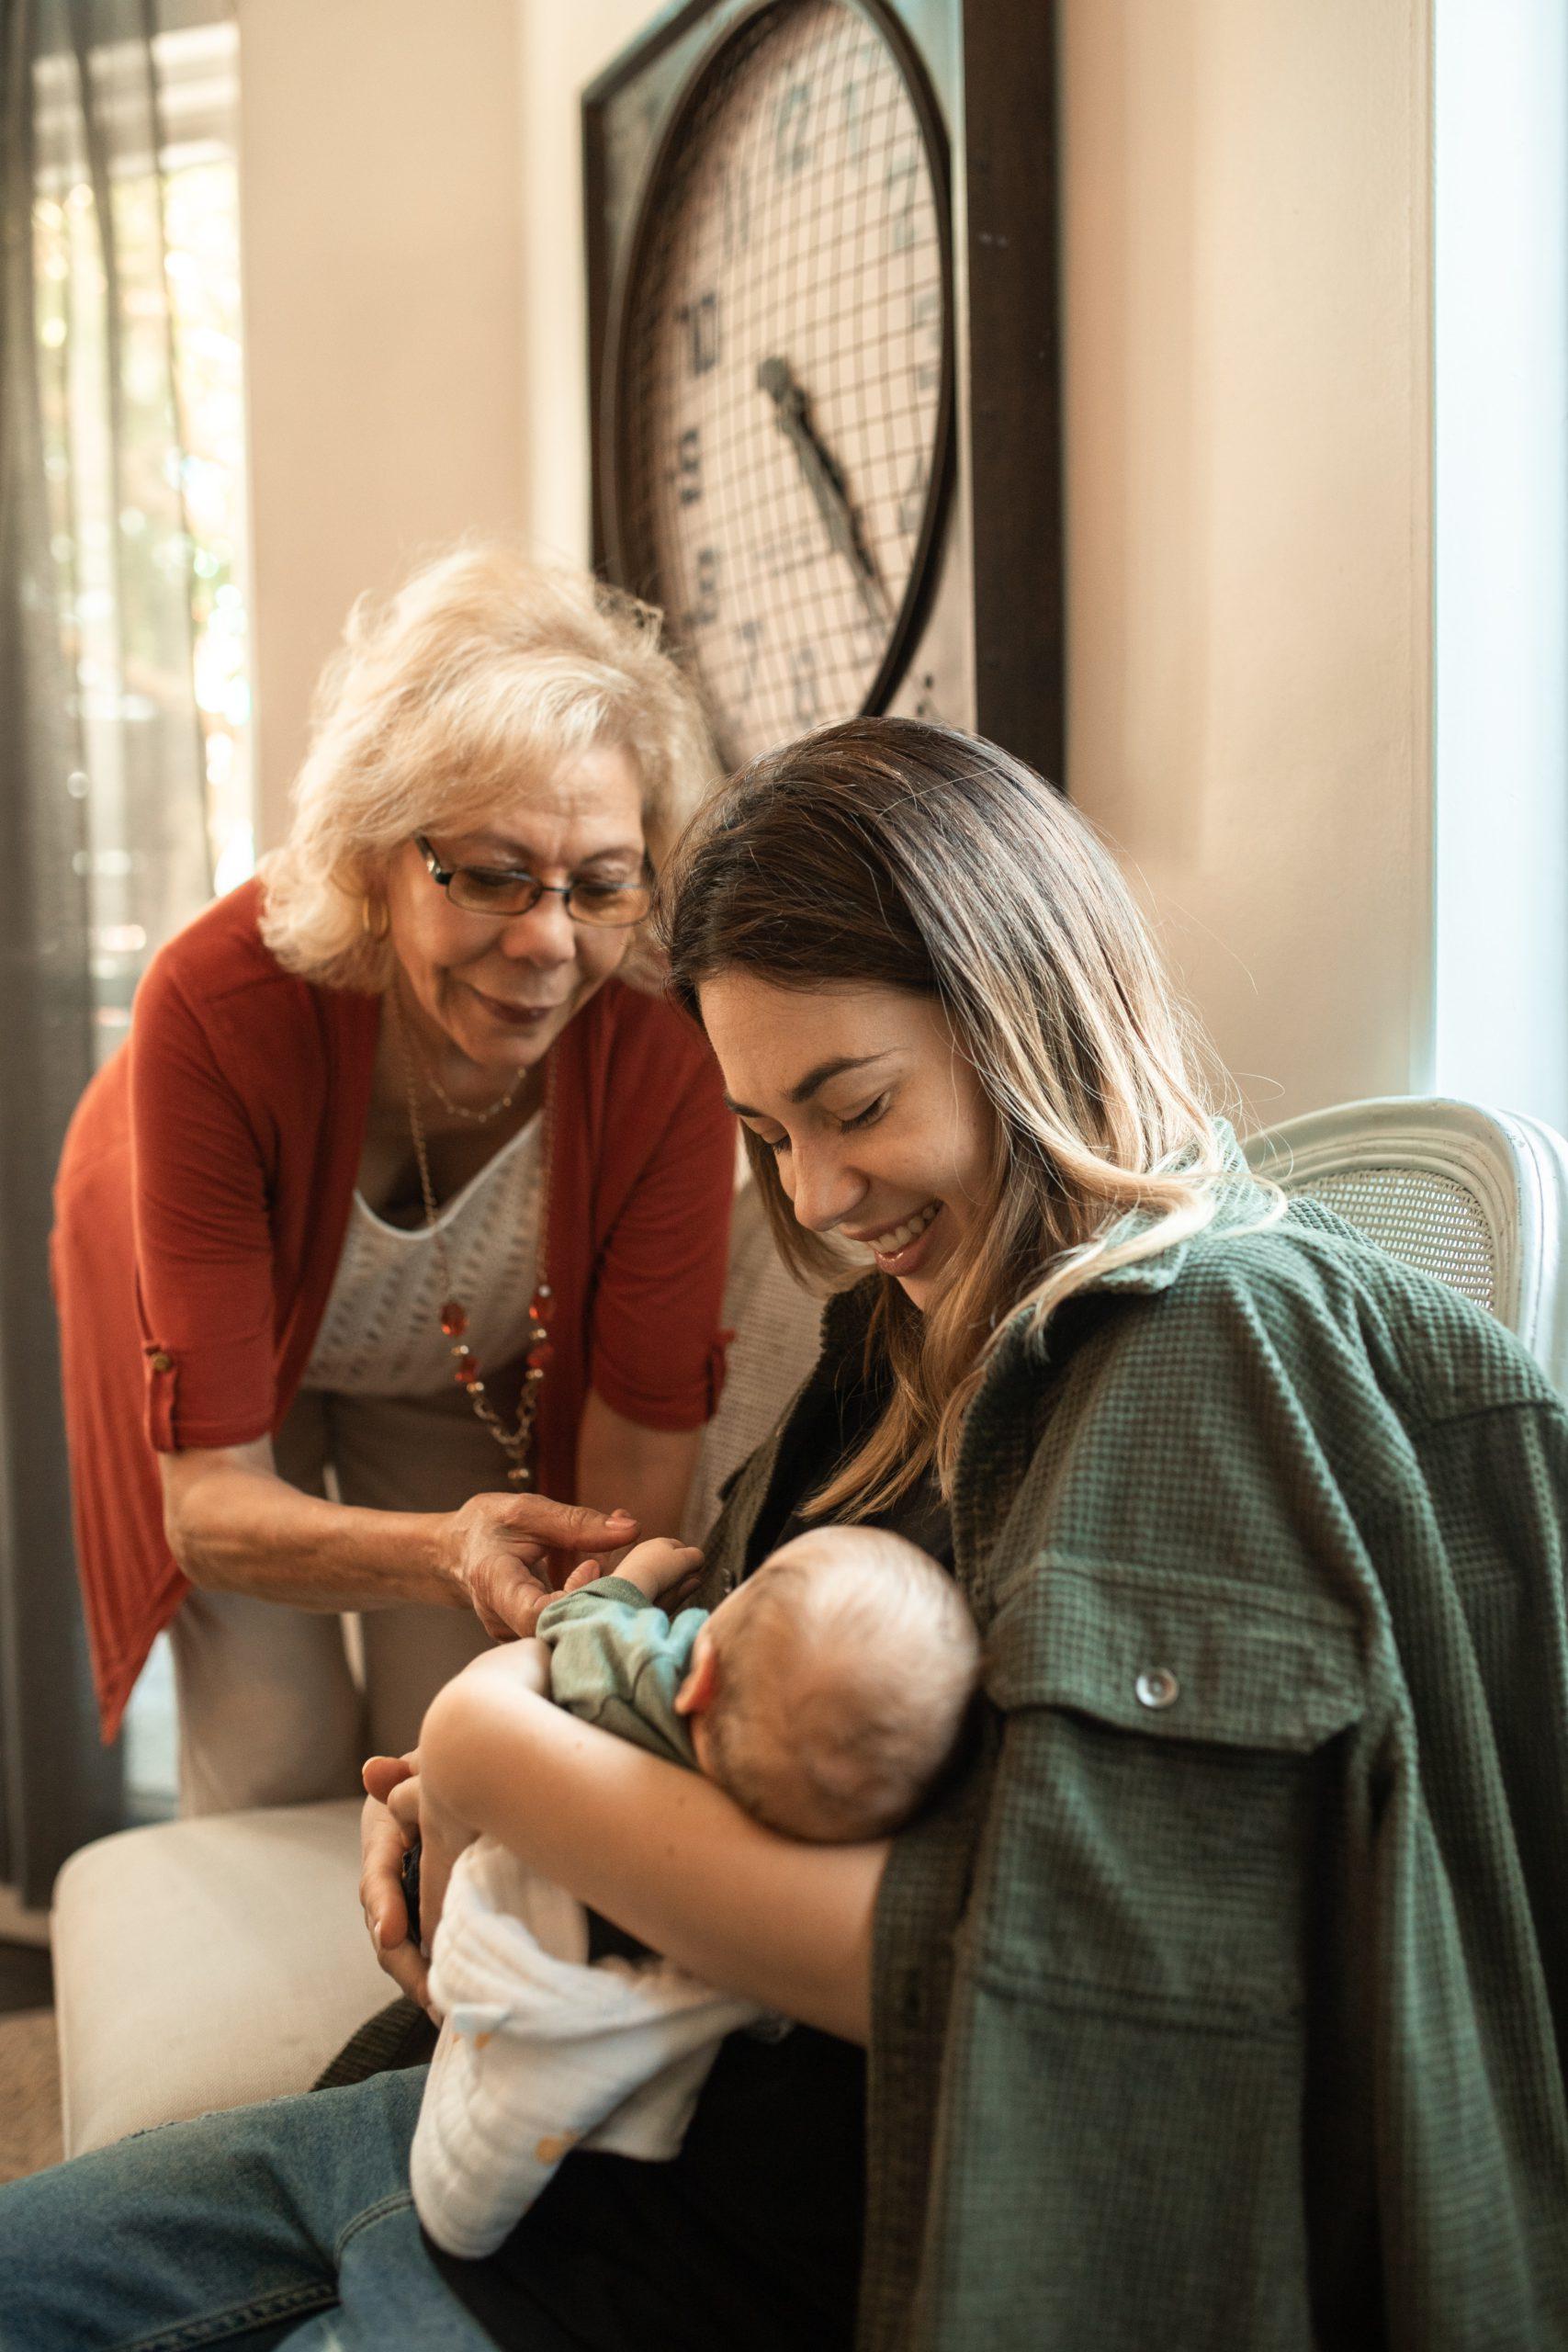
column 540, row 2050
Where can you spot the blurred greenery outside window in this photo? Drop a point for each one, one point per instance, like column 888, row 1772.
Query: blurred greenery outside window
column 142, row 389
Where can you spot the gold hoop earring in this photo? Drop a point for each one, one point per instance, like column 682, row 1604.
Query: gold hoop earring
column 374, row 918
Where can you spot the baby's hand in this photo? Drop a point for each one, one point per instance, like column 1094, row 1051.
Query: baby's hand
column 661, row 1569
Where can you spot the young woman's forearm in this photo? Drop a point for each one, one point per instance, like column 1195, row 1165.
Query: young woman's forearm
column 235, row 1526
column 662, row 1852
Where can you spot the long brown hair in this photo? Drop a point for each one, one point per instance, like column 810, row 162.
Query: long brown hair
column 892, row 853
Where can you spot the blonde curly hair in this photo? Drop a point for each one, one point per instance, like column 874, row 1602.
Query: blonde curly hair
column 474, row 680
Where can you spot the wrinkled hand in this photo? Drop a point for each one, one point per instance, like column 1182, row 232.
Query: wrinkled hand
column 496, row 1550
column 383, row 1841
column 661, row 1569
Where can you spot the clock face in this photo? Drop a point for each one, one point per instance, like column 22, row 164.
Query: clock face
column 781, row 369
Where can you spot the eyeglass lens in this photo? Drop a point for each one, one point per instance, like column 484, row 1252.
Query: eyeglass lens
column 611, row 904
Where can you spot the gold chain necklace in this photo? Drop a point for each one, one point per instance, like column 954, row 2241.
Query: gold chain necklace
column 456, row 1110
column 516, row 1443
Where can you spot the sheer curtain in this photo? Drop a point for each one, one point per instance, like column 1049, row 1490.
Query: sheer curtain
column 104, row 845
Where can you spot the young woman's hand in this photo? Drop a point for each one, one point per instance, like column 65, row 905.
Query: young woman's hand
column 418, row 1804
column 402, row 1810
column 494, row 1554
column 417, row 1808
column 383, row 1841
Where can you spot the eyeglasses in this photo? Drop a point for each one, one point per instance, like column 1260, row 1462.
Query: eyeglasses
column 507, row 890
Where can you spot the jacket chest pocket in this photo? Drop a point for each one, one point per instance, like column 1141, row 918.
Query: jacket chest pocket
column 1167, row 1797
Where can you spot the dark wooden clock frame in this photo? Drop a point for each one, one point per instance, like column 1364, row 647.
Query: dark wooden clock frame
column 989, row 651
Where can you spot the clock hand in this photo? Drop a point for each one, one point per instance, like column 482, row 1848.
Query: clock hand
column 825, row 480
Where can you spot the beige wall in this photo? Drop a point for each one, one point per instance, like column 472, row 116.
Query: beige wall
column 562, row 49
column 1247, row 419
column 1246, row 274
column 1248, row 411
column 380, row 239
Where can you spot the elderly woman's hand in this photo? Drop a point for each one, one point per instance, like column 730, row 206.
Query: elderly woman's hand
column 494, row 1551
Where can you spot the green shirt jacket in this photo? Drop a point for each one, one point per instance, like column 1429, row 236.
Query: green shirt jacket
column 1222, row 2001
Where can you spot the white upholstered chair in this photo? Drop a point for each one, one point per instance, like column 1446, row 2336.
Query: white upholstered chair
column 1477, row 1197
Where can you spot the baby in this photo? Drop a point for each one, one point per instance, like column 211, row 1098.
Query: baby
column 826, row 1695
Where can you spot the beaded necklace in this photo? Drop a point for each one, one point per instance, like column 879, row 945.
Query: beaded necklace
column 515, row 1443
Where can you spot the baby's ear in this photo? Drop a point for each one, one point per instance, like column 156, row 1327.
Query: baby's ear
column 700, row 1689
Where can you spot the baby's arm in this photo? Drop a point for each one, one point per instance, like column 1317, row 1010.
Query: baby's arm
column 661, row 1569
column 616, row 1659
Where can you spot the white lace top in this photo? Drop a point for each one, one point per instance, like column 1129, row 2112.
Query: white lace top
column 381, row 1333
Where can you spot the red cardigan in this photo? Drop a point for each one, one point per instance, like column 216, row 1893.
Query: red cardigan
column 200, row 1210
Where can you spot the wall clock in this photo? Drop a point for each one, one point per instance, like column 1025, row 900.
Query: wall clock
column 822, row 356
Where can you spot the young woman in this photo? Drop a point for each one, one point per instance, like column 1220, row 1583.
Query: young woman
column 1215, row 2000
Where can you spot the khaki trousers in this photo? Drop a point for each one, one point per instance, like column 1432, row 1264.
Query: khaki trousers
column 280, row 1705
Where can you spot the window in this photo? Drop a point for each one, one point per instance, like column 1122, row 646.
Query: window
column 139, row 329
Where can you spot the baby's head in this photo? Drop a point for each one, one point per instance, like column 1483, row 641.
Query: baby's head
column 827, row 1693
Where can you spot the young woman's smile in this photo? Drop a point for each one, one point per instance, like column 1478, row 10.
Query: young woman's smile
column 904, row 1247
column 876, row 1121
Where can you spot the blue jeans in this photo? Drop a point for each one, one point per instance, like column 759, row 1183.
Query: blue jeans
column 288, row 2223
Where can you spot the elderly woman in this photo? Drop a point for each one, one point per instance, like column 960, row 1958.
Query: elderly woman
column 400, row 1202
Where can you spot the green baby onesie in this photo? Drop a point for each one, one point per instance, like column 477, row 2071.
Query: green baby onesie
column 618, row 1660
